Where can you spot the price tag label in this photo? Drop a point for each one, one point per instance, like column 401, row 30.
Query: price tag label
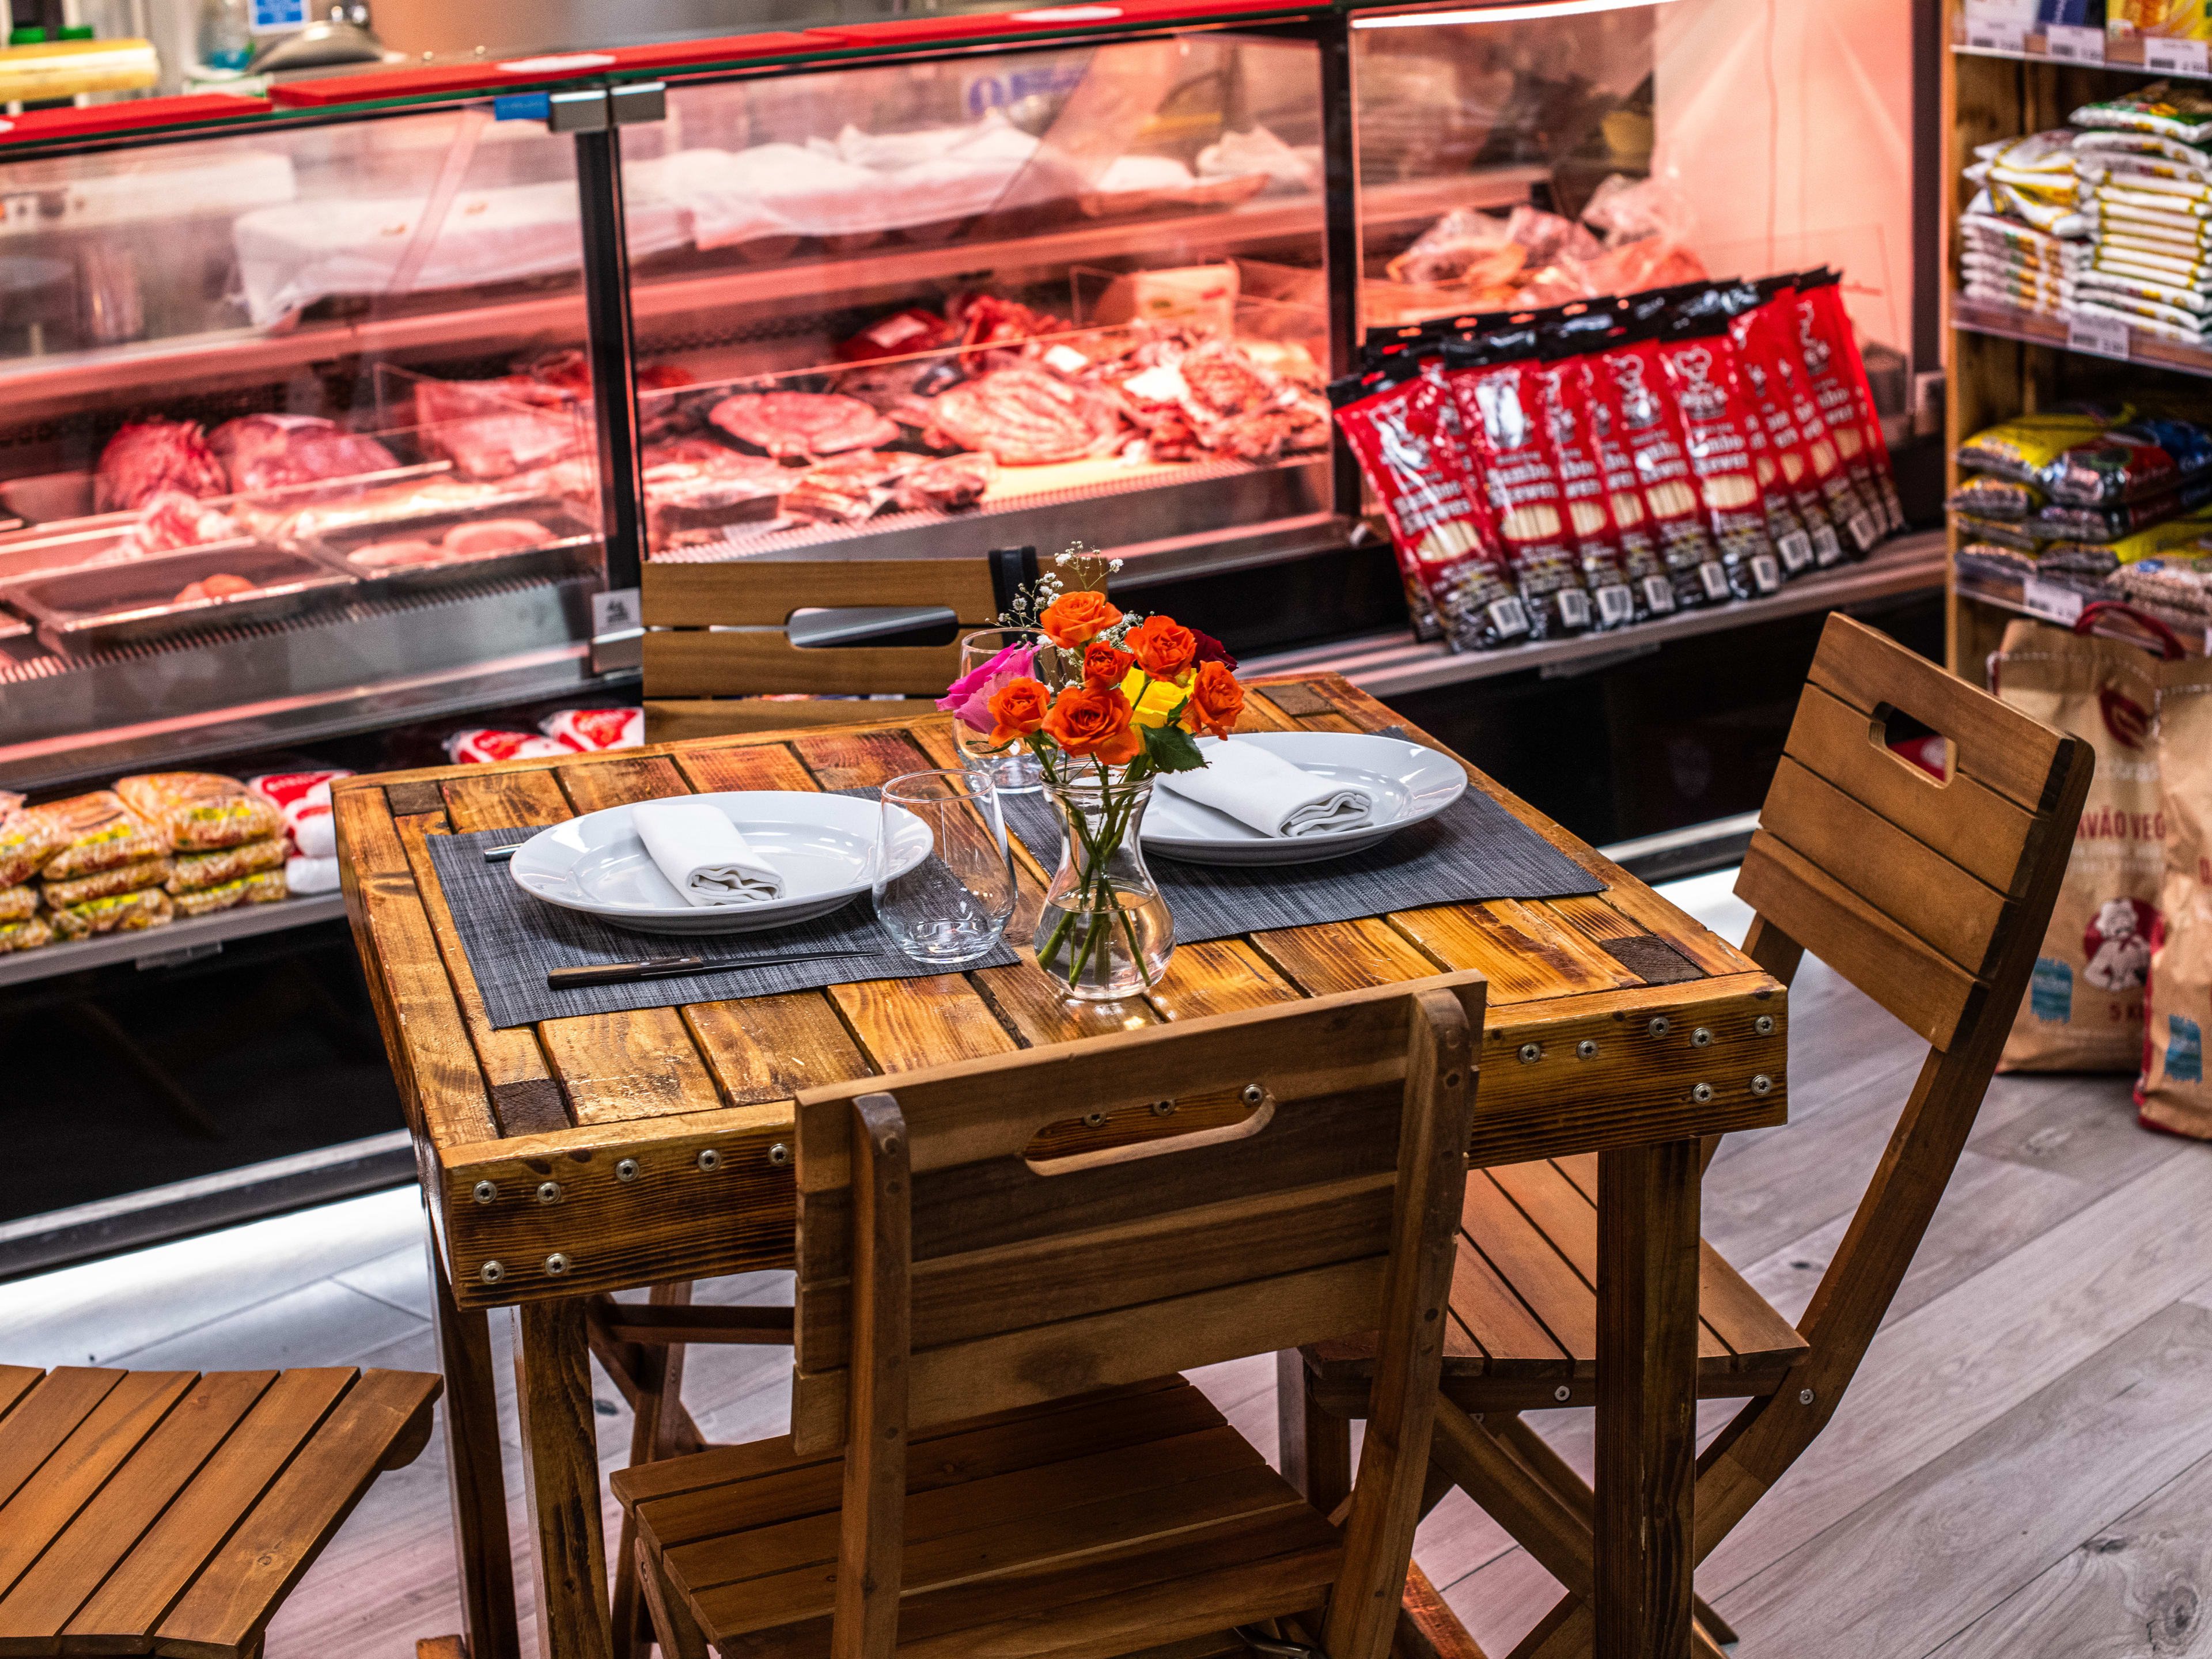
column 2008, row 38
column 616, row 612
column 2074, row 43
column 2049, row 599
column 2099, row 336
column 2169, row 57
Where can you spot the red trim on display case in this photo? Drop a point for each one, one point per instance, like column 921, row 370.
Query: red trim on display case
column 676, row 55
column 1049, row 20
column 445, row 80
column 137, row 115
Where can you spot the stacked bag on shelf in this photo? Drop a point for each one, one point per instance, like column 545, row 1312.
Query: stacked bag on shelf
column 2023, row 241
column 1597, row 464
column 311, row 842
column 566, row 731
column 139, row 855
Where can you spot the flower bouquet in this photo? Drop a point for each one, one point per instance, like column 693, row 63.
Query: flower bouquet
column 1106, row 702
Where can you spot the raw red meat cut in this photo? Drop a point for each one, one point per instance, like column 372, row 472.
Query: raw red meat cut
column 386, row 555
column 569, row 374
column 487, row 432
column 847, row 489
column 170, row 519
column 802, row 423
column 220, row 586
column 947, row 485
column 490, row 535
column 1025, row 417
column 149, row 456
column 268, row 451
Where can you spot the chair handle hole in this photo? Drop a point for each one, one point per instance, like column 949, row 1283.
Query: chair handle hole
column 1927, row 753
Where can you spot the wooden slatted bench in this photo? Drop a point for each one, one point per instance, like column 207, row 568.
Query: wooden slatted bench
column 168, row 1512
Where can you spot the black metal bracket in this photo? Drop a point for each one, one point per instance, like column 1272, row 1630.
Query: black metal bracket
column 613, row 351
column 1342, row 255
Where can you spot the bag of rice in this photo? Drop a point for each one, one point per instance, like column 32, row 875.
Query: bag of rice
column 2170, row 1091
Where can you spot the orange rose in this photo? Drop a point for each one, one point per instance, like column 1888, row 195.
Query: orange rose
column 1162, row 648
column 1017, row 710
column 1105, row 664
column 1096, row 721
column 1216, row 701
column 1074, row 619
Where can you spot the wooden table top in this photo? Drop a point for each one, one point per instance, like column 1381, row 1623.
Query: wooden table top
column 600, row 1151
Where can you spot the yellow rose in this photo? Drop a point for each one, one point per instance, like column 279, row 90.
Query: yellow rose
column 1160, row 700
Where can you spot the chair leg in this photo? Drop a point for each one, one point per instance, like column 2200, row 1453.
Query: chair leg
column 1315, row 1447
column 673, row 1627
column 654, row 1434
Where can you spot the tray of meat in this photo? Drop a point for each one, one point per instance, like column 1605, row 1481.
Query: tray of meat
column 694, row 483
column 110, row 604
column 170, row 522
column 296, row 520
column 437, row 552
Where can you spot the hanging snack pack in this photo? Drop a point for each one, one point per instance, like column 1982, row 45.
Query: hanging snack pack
column 1571, row 436
column 1837, row 378
column 1650, row 431
column 2170, row 1091
column 2084, row 1007
column 1716, row 436
column 1394, row 422
column 1497, row 384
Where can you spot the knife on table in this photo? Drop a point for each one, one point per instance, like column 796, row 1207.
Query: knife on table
column 630, row 973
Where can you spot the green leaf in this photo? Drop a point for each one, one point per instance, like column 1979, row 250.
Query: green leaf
column 1169, row 749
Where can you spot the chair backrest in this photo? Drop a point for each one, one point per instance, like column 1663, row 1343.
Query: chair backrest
column 948, row 1271
column 719, row 630
column 1931, row 895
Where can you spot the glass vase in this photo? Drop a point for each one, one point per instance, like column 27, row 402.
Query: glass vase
column 1104, row 931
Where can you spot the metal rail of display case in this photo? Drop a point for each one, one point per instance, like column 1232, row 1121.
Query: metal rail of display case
column 183, row 940
column 1392, row 663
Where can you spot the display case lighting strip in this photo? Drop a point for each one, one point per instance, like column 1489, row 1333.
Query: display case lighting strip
column 1406, row 20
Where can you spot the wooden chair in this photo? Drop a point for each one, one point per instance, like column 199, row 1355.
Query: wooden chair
column 169, row 1512
column 1020, row 1318
column 720, row 632
column 1932, row 897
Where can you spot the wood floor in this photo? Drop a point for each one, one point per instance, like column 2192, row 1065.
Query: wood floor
column 2023, row 1467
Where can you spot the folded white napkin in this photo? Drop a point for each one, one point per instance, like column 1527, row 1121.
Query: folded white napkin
column 1262, row 789
column 703, row 854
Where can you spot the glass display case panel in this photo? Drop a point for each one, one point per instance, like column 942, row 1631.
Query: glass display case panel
column 1650, row 144
column 987, row 276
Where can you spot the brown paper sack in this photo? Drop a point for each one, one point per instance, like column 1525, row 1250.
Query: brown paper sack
column 2178, row 1002
column 2083, row 1012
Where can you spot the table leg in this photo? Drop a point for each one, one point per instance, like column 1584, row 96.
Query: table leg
column 560, row 1467
column 472, row 1461
column 1647, row 1377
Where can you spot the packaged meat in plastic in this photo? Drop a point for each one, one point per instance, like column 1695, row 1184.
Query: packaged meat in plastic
column 199, row 811
column 1498, row 386
column 1716, row 436
column 119, row 913
column 122, row 878
column 28, row 934
column 1403, row 426
column 269, row 452
column 304, row 799
column 17, row 903
column 28, row 839
column 594, row 728
column 479, row 745
column 1650, row 431
column 97, row 832
column 148, row 456
column 307, row 875
column 190, row 871
column 264, row 887
column 899, row 335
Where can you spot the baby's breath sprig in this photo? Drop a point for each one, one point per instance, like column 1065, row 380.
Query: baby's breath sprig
column 1078, row 569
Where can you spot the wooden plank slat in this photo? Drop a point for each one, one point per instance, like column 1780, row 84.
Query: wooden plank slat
column 1524, row 955
column 1220, row 976
column 102, row 1533
column 1930, row 993
column 436, row 1066
column 692, row 663
column 16, row 1381
column 905, row 1024
column 170, row 1554
column 489, row 798
column 628, row 1065
column 46, row 1416
column 594, row 785
column 764, row 592
column 43, row 1506
column 1338, row 956
column 1522, row 1257
column 365, row 830
column 860, row 760
column 683, row 719
column 1912, row 884
column 368, row 1429
column 770, row 1048
column 753, row 766
column 1968, row 823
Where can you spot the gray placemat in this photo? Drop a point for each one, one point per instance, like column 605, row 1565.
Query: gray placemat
column 1473, row 850
column 513, row 940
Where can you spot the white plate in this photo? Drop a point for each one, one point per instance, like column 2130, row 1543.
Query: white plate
column 1409, row 783
column 823, row 844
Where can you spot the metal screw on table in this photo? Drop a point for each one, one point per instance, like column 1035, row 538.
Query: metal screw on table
column 1094, row 1119
column 1702, row 1037
column 1701, row 1092
column 1531, row 1053
column 1562, row 1394
column 491, row 1273
column 1658, row 1026
column 1163, row 1108
column 1804, row 1396
column 1253, row 1094
column 485, row 1192
column 627, row 1169
column 557, row 1264
column 549, row 1191
column 1586, row 1049
column 1761, row 1084
column 1764, row 1025
column 710, row 1160
column 778, row 1154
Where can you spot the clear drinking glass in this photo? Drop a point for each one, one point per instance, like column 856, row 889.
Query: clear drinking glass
column 1016, row 772
column 951, row 906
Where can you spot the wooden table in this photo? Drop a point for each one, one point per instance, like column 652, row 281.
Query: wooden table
column 596, row 1152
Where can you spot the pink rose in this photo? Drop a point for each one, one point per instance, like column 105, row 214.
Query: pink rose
column 968, row 699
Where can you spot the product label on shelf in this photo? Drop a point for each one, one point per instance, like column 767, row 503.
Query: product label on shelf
column 2049, row 599
column 1996, row 37
column 2163, row 54
column 2099, row 336
column 2075, row 43
column 617, row 613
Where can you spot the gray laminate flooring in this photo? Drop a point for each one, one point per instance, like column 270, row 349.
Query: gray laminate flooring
column 2022, row 1468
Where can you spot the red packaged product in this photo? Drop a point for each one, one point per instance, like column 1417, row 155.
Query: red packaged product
column 478, row 746
column 1499, row 386
column 1718, row 437
column 1838, row 376
column 1651, row 432
column 1571, row 435
column 1853, row 520
column 1631, row 515
column 596, row 728
column 1398, row 423
column 899, row 335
